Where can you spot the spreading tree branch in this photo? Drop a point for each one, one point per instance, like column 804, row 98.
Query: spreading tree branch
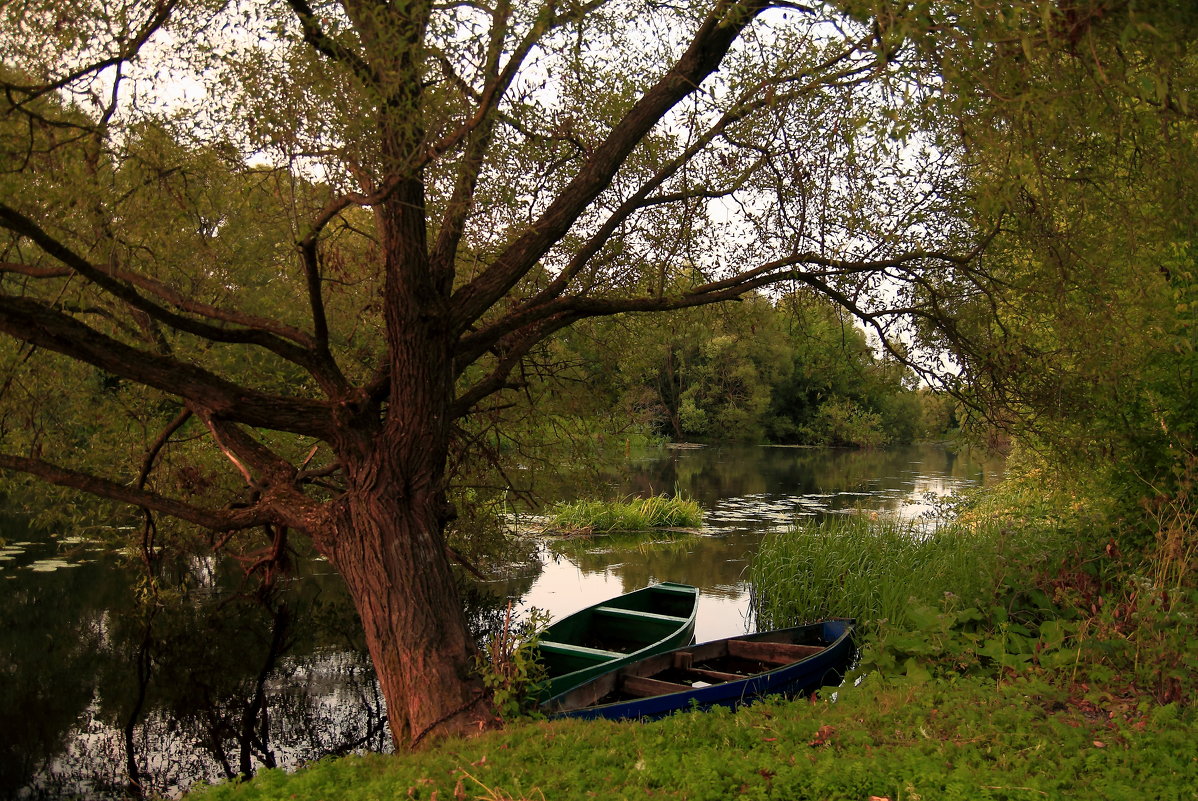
column 120, row 285
column 214, row 519
column 535, row 324
column 147, row 462
column 29, row 92
column 475, row 343
column 478, row 131
column 40, row 324
column 704, row 54
column 330, row 47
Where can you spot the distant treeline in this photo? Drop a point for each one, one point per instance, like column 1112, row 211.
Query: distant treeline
column 789, row 370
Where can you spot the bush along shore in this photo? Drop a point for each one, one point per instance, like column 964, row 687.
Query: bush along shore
column 1031, row 650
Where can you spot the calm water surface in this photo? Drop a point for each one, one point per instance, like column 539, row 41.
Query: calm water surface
column 745, row 493
column 102, row 697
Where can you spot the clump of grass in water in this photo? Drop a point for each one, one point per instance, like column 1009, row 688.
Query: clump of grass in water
column 637, row 514
column 853, row 566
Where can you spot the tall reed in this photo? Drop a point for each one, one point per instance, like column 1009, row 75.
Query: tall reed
column 636, row 514
column 853, row 566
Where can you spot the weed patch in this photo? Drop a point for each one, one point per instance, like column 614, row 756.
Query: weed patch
column 587, row 517
column 509, row 666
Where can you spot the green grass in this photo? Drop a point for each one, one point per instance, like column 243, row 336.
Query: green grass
column 935, row 742
column 637, row 514
column 855, row 566
column 1064, row 680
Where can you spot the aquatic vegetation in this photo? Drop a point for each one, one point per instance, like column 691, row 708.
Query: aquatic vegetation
column 50, row 565
column 588, row 517
column 870, row 569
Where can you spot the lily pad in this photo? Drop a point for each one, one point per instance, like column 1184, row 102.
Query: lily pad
column 49, row 565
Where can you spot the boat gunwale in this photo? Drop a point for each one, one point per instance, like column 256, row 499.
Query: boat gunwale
column 684, row 629
column 716, row 693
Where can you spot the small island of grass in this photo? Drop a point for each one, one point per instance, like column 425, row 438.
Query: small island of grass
column 591, row 517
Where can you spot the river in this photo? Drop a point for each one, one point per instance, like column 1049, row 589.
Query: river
column 101, row 693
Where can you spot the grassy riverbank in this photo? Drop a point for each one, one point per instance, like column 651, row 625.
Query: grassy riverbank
column 968, row 739
column 1099, row 706
column 1026, row 653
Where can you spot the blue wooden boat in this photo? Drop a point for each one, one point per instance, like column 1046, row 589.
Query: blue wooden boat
column 618, row 631
column 729, row 672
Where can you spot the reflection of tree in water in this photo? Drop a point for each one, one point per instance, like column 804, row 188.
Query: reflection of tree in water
column 50, row 632
column 716, row 472
column 290, row 725
column 201, row 682
column 197, row 685
column 598, row 549
column 641, row 559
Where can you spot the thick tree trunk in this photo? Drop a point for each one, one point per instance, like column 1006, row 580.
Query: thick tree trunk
column 391, row 553
column 388, row 533
column 388, row 541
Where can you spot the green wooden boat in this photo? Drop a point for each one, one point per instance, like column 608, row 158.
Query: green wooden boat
column 618, row 631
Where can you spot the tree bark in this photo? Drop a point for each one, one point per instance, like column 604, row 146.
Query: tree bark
column 391, row 553
column 388, row 541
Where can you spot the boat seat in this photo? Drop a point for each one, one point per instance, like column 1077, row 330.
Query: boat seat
column 680, row 589
column 714, row 676
column 633, row 614
column 569, row 649
column 646, row 687
column 774, row 653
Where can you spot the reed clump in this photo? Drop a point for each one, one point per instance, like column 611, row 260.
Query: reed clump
column 870, row 569
column 587, row 517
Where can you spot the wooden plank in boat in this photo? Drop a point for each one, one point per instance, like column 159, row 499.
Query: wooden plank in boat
column 636, row 614
column 644, row 687
column 683, row 660
column 714, row 675
column 777, row 653
column 578, row 650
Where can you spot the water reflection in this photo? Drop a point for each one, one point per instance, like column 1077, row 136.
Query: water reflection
column 745, row 492
column 105, row 696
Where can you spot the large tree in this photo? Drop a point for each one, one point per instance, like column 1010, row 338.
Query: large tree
column 258, row 261
column 1078, row 124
